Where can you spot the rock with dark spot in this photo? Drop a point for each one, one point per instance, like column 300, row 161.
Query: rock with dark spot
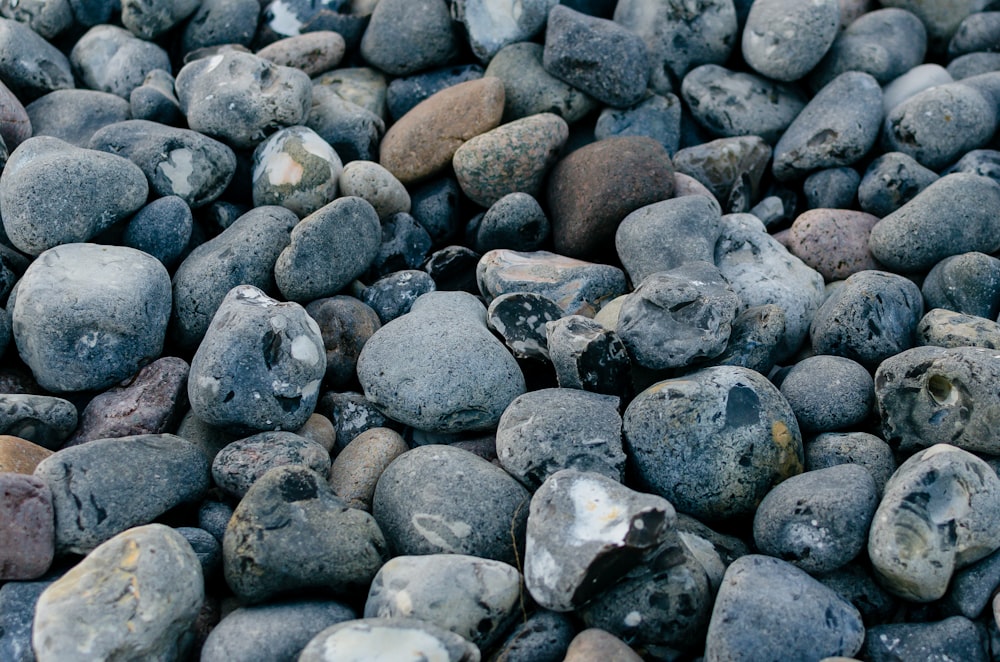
column 545, row 635
column 345, row 324
column 587, row 356
column 29, row 65
column 41, row 419
column 393, row 295
column 404, row 246
column 111, row 59
column 520, row 319
column 238, row 465
column 755, row 340
column 945, row 328
column 162, row 228
column 890, row 181
column 731, row 169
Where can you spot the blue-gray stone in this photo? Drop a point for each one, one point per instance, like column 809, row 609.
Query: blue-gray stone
column 111, row 59
column 406, row 92
column 162, row 228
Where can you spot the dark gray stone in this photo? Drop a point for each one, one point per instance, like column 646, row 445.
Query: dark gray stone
column 162, row 228
column 973, row 64
column 221, row 22
column 985, row 162
column 977, row 32
column 490, row 25
column 148, row 19
column 833, row 188
column 111, row 59
column 972, row 587
column 453, row 268
column 968, row 283
column 405, row 245
column 238, row 465
column 155, row 100
column 755, row 339
column 520, row 319
column 784, row 39
column 29, row 65
column 953, row 638
column 543, row 637
column 657, row 117
column 396, row 638
column 17, row 611
column 206, row 547
column 351, row 414
column 213, row 516
column 587, row 356
column 854, row 582
column 730, row 168
column 405, row 37
column 40, row 419
column 833, row 448
column 406, row 92
column 393, row 295
column 829, row 393
column 49, row 19
column 354, row 132
column 891, row 181
column 529, row 89
column 435, row 206
column 346, row 324
column 515, row 221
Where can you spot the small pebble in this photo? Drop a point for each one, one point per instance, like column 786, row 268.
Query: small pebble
column 657, row 117
column 398, row 639
column 17, row 613
column 351, row 414
column 372, row 182
column 405, row 246
column 238, row 465
column 834, row 242
column 354, row 132
column 19, row 455
column 516, row 222
column 357, row 467
column 968, row 283
column 544, row 635
column 162, row 228
column 972, row 587
column 892, row 180
column 596, row 644
column 297, row 169
column 40, row 419
column 587, row 356
column 75, row 115
column 944, row 328
column 829, row 393
column 833, row 188
column 312, row 52
column 148, row 19
column 404, row 37
column 155, row 100
column 111, row 59
column 914, row 81
column 345, row 324
column 393, row 295
column 26, row 524
column 833, row 448
column 405, row 92
column 731, row 169
column 219, row 22
column 491, row 24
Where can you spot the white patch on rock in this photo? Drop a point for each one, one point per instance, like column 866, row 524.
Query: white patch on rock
column 283, row 20
column 214, row 63
column 632, row 619
column 597, row 516
column 282, row 169
column 458, row 529
column 178, row 168
column 304, row 350
column 210, row 383
column 377, row 644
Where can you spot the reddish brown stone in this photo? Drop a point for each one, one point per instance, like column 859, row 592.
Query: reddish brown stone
column 834, row 242
column 20, row 456
column 594, row 188
column 27, row 527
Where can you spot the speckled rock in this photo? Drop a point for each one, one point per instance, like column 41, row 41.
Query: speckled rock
column 346, row 324
column 834, row 242
column 48, row 19
column 162, row 228
column 357, row 468
column 19, row 455
column 312, row 52
column 403, row 93
column 29, row 65
column 353, row 131
column 516, row 221
column 954, row 637
column 938, row 514
column 731, row 169
column 972, row 587
column 755, row 340
column 15, row 125
column 833, row 448
column 530, row 89
column 785, row 40
column 491, row 25
column 520, row 319
column 17, row 615
column 238, row 465
column 351, row 414
column 111, row 59
column 831, row 188
column 404, row 37
column 944, row 328
column 369, row 180
column 219, row 23
column 75, row 115
column 543, row 635
column 754, row 440
column 296, row 169
column 968, row 283
column 27, row 527
column 402, row 639
column 393, row 295
column 828, row 393
column 148, row 19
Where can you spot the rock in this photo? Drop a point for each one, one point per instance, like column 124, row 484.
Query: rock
column 976, row 32
column 138, row 595
column 952, row 637
column 345, row 324
column 357, row 468
column 966, row 283
column 48, row 19
column 44, row 420
column 105, row 486
column 214, row 516
column 162, row 228
column 354, row 132
column 869, row 318
column 402, row 94
column 973, row 64
column 530, row 89
column 491, row 25
column 17, row 614
column 422, row 143
column 351, row 414
column 972, row 587
column 52, row 193
column 943, row 328
column 804, row 617
column 544, row 635
column 220, row 22
column 275, row 631
column 402, row 639
column 596, row 644
column 937, row 515
column 472, row 597
column 941, row 20
column 547, row 430
column 585, row 531
column 363, row 86
column 19, row 455
column 108, row 58
column 854, row 582
column 15, row 125
column 404, row 37
column 75, row 115
column 914, row 81
column 29, row 65
column 155, row 99
column 240, row 464
column 412, row 367
column 405, row 245
column 516, row 221
column 87, row 316
column 785, row 40
column 296, row 169
column 587, row 356
column 755, row 339
column 328, row 249
column 394, row 295
column 834, row 448
column 26, row 524
column 834, row 242
column 754, row 440
column 985, row 162
column 657, row 117
column 832, row 188
column 454, row 268
column 291, row 532
column 828, row 393
column 259, row 366
column 731, row 169
column 520, row 319
column 313, row 52
column 148, row 19
column 415, row 504
column 372, row 182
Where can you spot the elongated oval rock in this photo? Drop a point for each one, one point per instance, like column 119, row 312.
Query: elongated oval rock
column 27, row 527
column 785, row 40
column 297, row 169
column 135, row 597
column 105, row 486
column 238, row 465
column 939, row 513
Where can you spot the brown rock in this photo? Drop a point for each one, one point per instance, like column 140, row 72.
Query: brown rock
column 357, row 469
column 594, row 645
column 594, row 188
column 312, row 52
column 318, row 428
column 346, row 324
column 20, row 456
column 27, row 527
column 424, row 140
column 834, row 242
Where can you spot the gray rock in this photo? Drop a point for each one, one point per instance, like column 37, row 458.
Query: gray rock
column 891, row 181
column 402, row 639
column 985, row 162
column 936, row 395
column 666, row 235
column 259, row 365
column 27, row 526
column 240, row 464
column 17, row 614
column 75, row 115
column 832, row 188
column 29, row 65
column 941, row 20
column 944, row 328
column 49, row 19
column 829, row 393
column 87, row 316
column 111, row 59
column 736, row 103
column 148, row 19
column 529, row 89
column 585, row 531
column 213, row 516
column 755, row 339
column 404, row 93
column 676, row 317
column 973, row 64
column 873, row 315
column 587, row 356
column 405, row 246
column 830, row 449
column 977, row 32
column 968, row 283
column 243, row 254
column 155, row 100
column 956, row 637
column 472, row 597
column 177, row 162
column 937, row 515
column 972, row 587
column 714, row 551
column 277, row 631
column 346, row 324
column 438, row 367
column 854, row 582
column 393, row 295
column 351, row 414
column 403, row 37
column 543, row 636
column 492, row 24
column 353, row 131
column 817, row 521
column 516, row 222
column 218, row 22
column 369, row 180
column 54, row 193
column 713, row 442
column 603, row 58
column 730, row 168
column 836, row 128
column 803, row 619
column 291, row 532
column 105, row 486
column 657, row 117
column 297, row 169
column 784, row 39
column 137, row 595
column 914, row 81
column 162, row 228
column 440, row 499
column 547, row 430
column 206, row 547
column 40, row 419
column 328, row 249
column 520, row 319
column 239, row 97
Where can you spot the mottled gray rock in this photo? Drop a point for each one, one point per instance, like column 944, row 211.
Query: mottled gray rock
column 369, row 180
column 944, row 328
column 111, row 59
column 516, row 222
column 297, row 169
column 492, row 24
column 404, row 93
column 730, row 168
column 832, row 188
column 587, row 356
column 713, row 442
column 755, row 339
column 873, row 315
column 206, row 548
column 972, row 587
column 585, row 531
column 313, row 52
column 40, row 419
column 162, row 228
column 402, row 639
column 854, row 582
column 829, row 393
column 213, row 516
column 891, row 181
column 542, row 636
column 657, row 117
column 54, row 193
column 547, row 430
column 520, row 318
column 967, row 283
column 973, row 64
column 221, row 22
column 29, row 65
column 136, row 596
column 413, row 367
column 17, row 614
column 155, row 100
column 276, row 631
column 938, row 514
column 393, row 295
column 88, row 316
column 405, row 37
column 148, row 19
column 603, row 58
column 46, row 17
column 105, row 486
column 530, row 89
column 239, row 97
column 441, row 499
column 405, row 246
column 784, row 40
column 351, row 414
column 27, row 527
column 833, row 448
column 985, row 162
column 238, row 465
column 346, row 324
column 953, row 638
column 259, row 365
column 673, row 318
column 292, row 532
column 353, row 131
column 802, row 619
column 472, row 597
column 75, row 115
column 243, row 254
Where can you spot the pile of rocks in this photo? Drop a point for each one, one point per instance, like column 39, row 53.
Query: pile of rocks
column 471, row 329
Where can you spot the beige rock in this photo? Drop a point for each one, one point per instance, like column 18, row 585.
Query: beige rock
column 357, row 469
column 594, row 645
column 20, row 455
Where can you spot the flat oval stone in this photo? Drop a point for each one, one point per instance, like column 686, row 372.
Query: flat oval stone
column 106, row 486
column 403, row 37
column 587, row 199
column 357, row 468
column 296, row 169
column 42, row 419
column 402, row 639
column 238, row 465
column 530, row 89
column 422, row 142
column 944, row 328
column 941, row 20
column 657, row 117
column 745, row 433
column 515, row 221
column 512, row 157
column 27, row 527
column 312, row 52
column 938, row 514
column 416, row 507
column 911, row 83
column 784, row 40
column 291, row 532
column 369, row 180
column 137, row 594
column 834, row 448
column 828, row 392
column 956, row 214
column 834, row 242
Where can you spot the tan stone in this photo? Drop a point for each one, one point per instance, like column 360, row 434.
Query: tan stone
column 594, row 645
column 424, row 140
column 20, row 456
column 357, row 469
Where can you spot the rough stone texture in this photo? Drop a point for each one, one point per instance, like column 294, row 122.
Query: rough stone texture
column 828, row 393
column 20, row 455
column 491, row 25
column 543, row 635
column 832, row 448
column 17, row 615
column 346, row 324
column 954, row 638
column 240, row 464
column 41, row 419
column 944, row 328
column 596, row 644
column 785, row 40
column 587, row 356
column 834, row 242
column 357, row 468
column 968, row 283
column 26, row 527
column 731, row 169
column 29, row 65
column 530, row 89
column 394, row 638
column 108, row 58
column 520, row 319
column 404, row 37
column 312, row 52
